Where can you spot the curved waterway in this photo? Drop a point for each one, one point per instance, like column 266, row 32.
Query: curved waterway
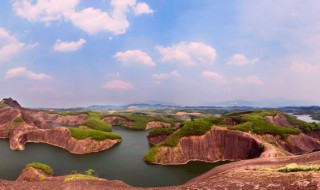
column 123, row 162
column 306, row 118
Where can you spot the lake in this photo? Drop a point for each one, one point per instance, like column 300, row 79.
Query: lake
column 123, row 162
column 306, row 118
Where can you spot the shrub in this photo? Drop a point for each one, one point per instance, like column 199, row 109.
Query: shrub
column 18, row 120
column 43, row 167
column 151, row 155
column 190, row 128
column 161, row 131
column 81, row 134
column 245, row 127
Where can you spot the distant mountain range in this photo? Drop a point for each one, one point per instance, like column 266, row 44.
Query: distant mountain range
column 225, row 105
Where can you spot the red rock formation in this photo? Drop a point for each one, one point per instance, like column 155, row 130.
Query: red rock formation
column 157, row 124
column 118, row 121
column 35, row 128
column 157, row 139
column 60, row 137
column 279, row 119
column 222, row 144
column 217, row 144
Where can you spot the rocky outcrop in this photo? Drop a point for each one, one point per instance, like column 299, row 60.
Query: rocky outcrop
column 222, row 144
column 36, row 179
column 279, row 119
column 31, row 174
column 157, row 124
column 156, row 139
column 60, row 137
column 217, row 144
column 10, row 102
column 294, row 144
column 118, row 121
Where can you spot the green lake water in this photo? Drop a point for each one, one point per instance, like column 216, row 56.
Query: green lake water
column 123, row 162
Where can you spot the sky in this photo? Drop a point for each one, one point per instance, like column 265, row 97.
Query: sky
column 69, row 53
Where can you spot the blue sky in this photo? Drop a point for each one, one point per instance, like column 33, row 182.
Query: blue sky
column 67, row 53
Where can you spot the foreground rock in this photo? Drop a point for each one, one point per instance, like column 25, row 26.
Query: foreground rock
column 22, row 125
column 245, row 175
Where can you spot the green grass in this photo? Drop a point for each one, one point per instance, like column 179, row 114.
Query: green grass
column 80, row 177
column 190, row 128
column 18, row 120
column 81, row 134
column 94, row 122
column 43, row 167
column 160, row 131
column 255, row 122
column 245, row 127
column 298, row 168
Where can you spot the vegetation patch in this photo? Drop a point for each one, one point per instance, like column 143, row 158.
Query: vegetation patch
column 43, row 167
column 94, row 122
column 304, row 126
column 190, row 128
column 140, row 120
column 81, row 134
column 18, row 120
column 151, row 155
column 161, row 131
column 80, row 177
column 3, row 105
column 298, row 168
column 255, row 122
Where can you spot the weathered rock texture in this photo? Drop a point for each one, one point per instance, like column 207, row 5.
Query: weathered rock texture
column 157, row 139
column 157, row 124
column 222, row 144
column 36, row 128
column 217, row 144
column 59, row 137
column 118, row 121
column 279, row 119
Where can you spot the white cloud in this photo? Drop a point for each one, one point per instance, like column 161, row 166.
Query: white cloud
column 44, row 10
column 188, row 54
column 305, row 68
column 240, row 59
column 118, row 85
column 68, row 46
column 90, row 20
column 250, row 80
column 9, row 45
column 134, row 57
column 162, row 76
column 213, row 75
column 25, row 73
column 142, row 8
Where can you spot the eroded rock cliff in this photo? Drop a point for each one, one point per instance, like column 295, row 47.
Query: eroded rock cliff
column 217, row 144
column 22, row 125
